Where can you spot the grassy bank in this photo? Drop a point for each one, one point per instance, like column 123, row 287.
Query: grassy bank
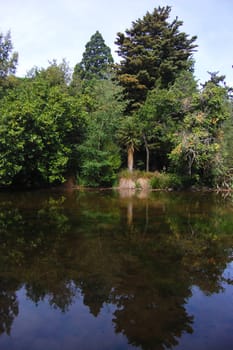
column 149, row 180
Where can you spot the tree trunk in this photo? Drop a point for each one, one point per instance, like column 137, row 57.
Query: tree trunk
column 147, row 154
column 130, row 157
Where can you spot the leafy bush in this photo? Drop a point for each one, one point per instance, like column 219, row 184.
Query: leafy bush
column 40, row 129
column 160, row 181
column 101, row 170
column 165, row 181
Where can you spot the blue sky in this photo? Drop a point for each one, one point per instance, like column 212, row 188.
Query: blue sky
column 44, row 30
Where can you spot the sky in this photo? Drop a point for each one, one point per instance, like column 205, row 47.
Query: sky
column 43, row 30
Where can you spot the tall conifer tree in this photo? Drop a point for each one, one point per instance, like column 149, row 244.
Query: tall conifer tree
column 153, row 53
column 96, row 59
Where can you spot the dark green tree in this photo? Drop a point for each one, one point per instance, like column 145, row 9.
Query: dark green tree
column 216, row 79
column 154, row 51
column 96, row 59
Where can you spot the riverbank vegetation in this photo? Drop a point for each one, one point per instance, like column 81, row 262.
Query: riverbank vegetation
column 145, row 113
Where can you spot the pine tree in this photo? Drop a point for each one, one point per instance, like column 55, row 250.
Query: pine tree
column 96, row 59
column 153, row 53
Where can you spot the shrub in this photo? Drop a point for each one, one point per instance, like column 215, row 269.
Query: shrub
column 165, row 181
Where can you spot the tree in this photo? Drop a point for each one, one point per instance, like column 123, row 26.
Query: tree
column 54, row 74
column 224, row 171
column 158, row 117
column 153, row 53
column 8, row 60
column 8, row 63
column 41, row 127
column 99, row 152
column 162, row 114
column 96, row 59
column 215, row 79
column 197, row 146
column 128, row 135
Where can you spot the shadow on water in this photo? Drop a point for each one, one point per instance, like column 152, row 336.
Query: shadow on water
column 140, row 254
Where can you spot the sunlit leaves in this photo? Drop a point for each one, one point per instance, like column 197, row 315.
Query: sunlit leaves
column 41, row 128
column 100, row 154
column 198, row 144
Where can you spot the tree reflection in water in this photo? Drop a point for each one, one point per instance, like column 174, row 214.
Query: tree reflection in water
column 141, row 255
column 9, row 308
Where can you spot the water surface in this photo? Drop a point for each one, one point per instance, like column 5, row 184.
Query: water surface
column 108, row 270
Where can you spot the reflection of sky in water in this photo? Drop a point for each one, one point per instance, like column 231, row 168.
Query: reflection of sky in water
column 43, row 328
column 213, row 318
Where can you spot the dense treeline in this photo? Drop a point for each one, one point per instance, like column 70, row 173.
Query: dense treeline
column 146, row 112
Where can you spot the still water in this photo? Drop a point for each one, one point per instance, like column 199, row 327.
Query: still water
column 109, row 270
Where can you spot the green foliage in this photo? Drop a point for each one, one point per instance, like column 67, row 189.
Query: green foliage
column 52, row 127
column 129, row 136
column 100, row 167
column 153, row 52
column 223, row 173
column 8, row 60
column 162, row 114
column 100, row 153
column 8, row 63
column 55, row 74
column 96, row 60
column 128, row 133
column 165, row 181
column 41, row 127
column 197, row 145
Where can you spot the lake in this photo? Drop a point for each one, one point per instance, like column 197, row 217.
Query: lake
column 116, row 270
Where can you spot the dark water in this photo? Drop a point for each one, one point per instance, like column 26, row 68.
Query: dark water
column 103, row 270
